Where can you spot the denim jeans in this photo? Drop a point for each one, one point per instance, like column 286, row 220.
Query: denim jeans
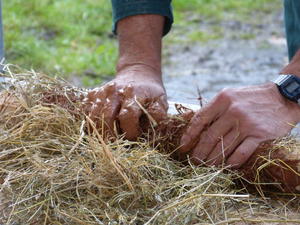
column 292, row 25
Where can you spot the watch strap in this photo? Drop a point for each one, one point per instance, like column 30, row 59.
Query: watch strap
column 282, row 78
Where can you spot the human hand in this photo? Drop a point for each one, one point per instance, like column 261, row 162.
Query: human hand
column 138, row 83
column 229, row 129
column 120, row 100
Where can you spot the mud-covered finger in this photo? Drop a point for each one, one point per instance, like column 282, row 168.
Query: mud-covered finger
column 94, row 97
column 157, row 111
column 129, row 119
column 110, row 113
column 103, row 106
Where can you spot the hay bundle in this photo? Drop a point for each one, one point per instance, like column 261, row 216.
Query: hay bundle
column 54, row 172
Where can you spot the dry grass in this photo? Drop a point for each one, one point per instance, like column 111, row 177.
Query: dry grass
column 53, row 172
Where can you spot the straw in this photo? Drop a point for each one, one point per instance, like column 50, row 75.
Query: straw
column 53, row 171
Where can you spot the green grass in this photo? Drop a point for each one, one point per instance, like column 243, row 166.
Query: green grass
column 73, row 37
column 200, row 19
column 69, row 37
column 216, row 10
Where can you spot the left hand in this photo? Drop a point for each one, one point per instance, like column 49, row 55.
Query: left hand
column 228, row 130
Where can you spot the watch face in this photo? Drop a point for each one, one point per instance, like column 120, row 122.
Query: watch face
column 289, row 87
column 292, row 87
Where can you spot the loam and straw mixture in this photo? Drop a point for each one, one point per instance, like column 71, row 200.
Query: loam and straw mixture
column 57, row 170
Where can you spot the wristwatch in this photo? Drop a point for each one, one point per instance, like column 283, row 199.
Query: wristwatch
column 289, row 87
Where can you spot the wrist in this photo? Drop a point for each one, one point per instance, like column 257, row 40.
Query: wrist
column 141, row 62
column 139, row 71
column 141, row 66
column 293, row 67
column 293, row 108
column 140, row 40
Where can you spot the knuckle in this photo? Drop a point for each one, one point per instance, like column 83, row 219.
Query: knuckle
column 90, row 95
column 237, row 110
column 124, row 113
column 129, row 113
column 263, row 132
column 226, row 94
column 128, row 90
column 98, row 90
column 110, row 87
column 94, row 94
column 197, row 119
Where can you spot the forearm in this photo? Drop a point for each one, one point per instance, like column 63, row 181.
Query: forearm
column 140, row 41
column 294, row 66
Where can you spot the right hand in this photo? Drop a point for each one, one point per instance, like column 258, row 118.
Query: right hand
column 119, row 101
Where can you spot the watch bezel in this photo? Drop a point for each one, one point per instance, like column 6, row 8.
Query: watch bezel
column 284, row 82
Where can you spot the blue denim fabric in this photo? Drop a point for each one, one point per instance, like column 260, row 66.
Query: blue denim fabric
column 292, row 25
column 124, row 8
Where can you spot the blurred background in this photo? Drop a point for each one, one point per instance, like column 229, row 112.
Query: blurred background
column 213, row 43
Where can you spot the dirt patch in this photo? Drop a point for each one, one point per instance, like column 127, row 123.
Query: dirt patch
column 230, row 61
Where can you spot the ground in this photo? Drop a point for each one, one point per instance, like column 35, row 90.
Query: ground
column 73, row 39
column 213, row 44
column 249, row 52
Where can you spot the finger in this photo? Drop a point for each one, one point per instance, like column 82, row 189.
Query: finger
column 130, row 113
column 104, row 108
column 110, row 112
column 108, row 89
column 111, row 106
column 96, row 99
column 129, row 118
column 92, row 99
column 243, row 153
column 224, row 148
column 90, row 111
column 96, row 93
column 200, row 120
column 158, row 110
column 95, row 108
column 210, row 138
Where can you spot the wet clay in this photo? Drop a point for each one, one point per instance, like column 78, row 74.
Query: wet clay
column 118, row 109
column 66, row 101
column 276, row 163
